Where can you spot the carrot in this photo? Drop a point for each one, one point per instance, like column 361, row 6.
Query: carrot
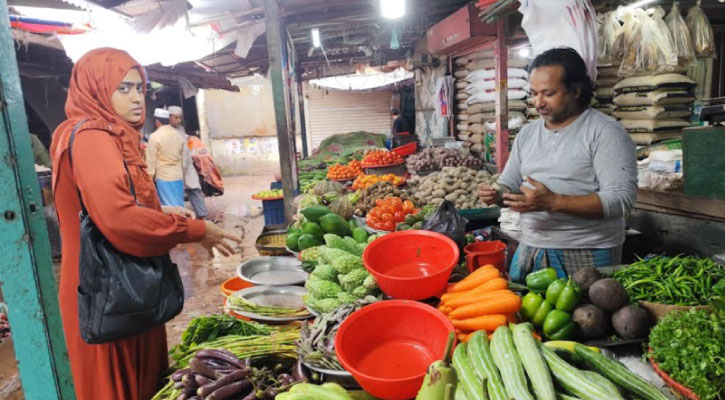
column 450, row 296
column 464, row 337
column 481, row 270
column 442, row 308
column 511, row 318
column 476, row 297
column 472, row 281
column 483, row 322
column 493, row 284
column 503, row 304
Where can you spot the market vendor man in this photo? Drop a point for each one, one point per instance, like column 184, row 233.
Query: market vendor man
column 572, row 174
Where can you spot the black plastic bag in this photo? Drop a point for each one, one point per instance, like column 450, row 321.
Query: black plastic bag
column 445, row 220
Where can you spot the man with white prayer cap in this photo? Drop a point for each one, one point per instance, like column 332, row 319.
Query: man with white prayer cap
column 192, row 186
column 164, row 155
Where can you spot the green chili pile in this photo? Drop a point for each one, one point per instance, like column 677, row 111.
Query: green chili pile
column 682, row 281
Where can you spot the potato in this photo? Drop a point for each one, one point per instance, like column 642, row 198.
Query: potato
column 452, row 197
column 439, row 193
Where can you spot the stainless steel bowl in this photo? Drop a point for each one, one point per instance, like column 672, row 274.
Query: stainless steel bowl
column 273, row 271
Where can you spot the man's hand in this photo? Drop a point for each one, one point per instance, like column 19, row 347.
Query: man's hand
column 540, row 198
column 184, row 212
column 215, row 238
column 488, row 194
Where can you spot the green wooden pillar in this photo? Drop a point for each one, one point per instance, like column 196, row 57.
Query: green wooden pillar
column 26, row 269
column 278, row 65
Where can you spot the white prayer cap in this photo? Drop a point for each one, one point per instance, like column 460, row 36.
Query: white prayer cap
column 161, row 113
column 175, row 110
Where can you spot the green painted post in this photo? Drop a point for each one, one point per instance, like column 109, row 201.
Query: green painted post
column 26, row 270
column 276, row 53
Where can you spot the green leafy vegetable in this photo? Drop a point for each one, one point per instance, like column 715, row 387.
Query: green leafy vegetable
column 210, row 327
column 690, row 347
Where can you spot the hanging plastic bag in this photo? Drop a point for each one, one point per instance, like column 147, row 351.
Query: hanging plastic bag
column 650, row 50
column 575, row 22
column 609, row 31
column 446, row 221
column 701, row 31
column 625, row 37
column 681, row 38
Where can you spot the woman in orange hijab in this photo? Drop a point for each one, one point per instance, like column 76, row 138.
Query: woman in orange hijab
column 107, row 91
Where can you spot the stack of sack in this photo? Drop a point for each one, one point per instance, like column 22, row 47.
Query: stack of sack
column 476, row 100
column 655, row 107
column 604, row 95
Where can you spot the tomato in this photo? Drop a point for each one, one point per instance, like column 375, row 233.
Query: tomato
column 387, row 210
column 375, row 212
column 387, row 217
column 408, row 207
column 388, row 226
column 398, row 205
column 379, row 202
column 399, row 216
column 380, row 226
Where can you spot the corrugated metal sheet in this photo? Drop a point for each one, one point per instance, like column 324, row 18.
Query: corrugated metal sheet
column 336, row 111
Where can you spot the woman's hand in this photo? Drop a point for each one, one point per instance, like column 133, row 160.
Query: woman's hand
column 184, row 212
column 215, row 239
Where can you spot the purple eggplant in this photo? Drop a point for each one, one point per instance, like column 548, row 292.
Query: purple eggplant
column 230, row 391
column 176, row 377
column 223, row 356
column 203, row 368
column 286, row 379
column 299, row 372
column 210, row 387
column 202, row 380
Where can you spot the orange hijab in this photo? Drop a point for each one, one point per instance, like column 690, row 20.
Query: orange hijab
column 95, row 77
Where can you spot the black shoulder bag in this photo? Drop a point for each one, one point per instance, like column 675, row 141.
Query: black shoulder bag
column 120, row 295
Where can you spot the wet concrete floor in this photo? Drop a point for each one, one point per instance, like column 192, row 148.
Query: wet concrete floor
column 201, row 273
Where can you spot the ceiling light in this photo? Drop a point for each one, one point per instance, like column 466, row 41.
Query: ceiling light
column 316, row 37
column 392, row 8
column 640, row 3
column 524, row 52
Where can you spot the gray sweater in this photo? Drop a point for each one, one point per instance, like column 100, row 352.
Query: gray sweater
column 594, row 154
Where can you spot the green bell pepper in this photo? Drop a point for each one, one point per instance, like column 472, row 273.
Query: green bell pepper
column 559, row 325
column 534, row 308
column 530, row 304
column 540, row 280
column 569, row 297
column 554, row 290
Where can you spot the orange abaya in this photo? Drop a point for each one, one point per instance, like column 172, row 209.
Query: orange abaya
column 127, row 369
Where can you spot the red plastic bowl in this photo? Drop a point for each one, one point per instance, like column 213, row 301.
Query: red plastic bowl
column 388, row 346
column 406, row 149
column 234, row 284
column 411, row 265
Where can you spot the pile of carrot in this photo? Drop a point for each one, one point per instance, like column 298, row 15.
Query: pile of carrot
column 481, row 301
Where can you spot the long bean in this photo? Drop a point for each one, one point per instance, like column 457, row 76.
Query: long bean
column 684, row 281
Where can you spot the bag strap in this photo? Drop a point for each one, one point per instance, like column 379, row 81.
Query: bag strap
column 70, row 160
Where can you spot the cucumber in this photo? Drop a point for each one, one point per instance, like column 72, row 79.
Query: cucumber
column 559, row 396
column 603, row 382
column 508, row 362
column 534, row 364
column 619, row 374
column 467, row 378
column 573, row 380
column 460, row 393
column 480, row 355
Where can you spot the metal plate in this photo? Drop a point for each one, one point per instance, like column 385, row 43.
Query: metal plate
column 280, row 296
column 273, row 271
column 330, row 372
